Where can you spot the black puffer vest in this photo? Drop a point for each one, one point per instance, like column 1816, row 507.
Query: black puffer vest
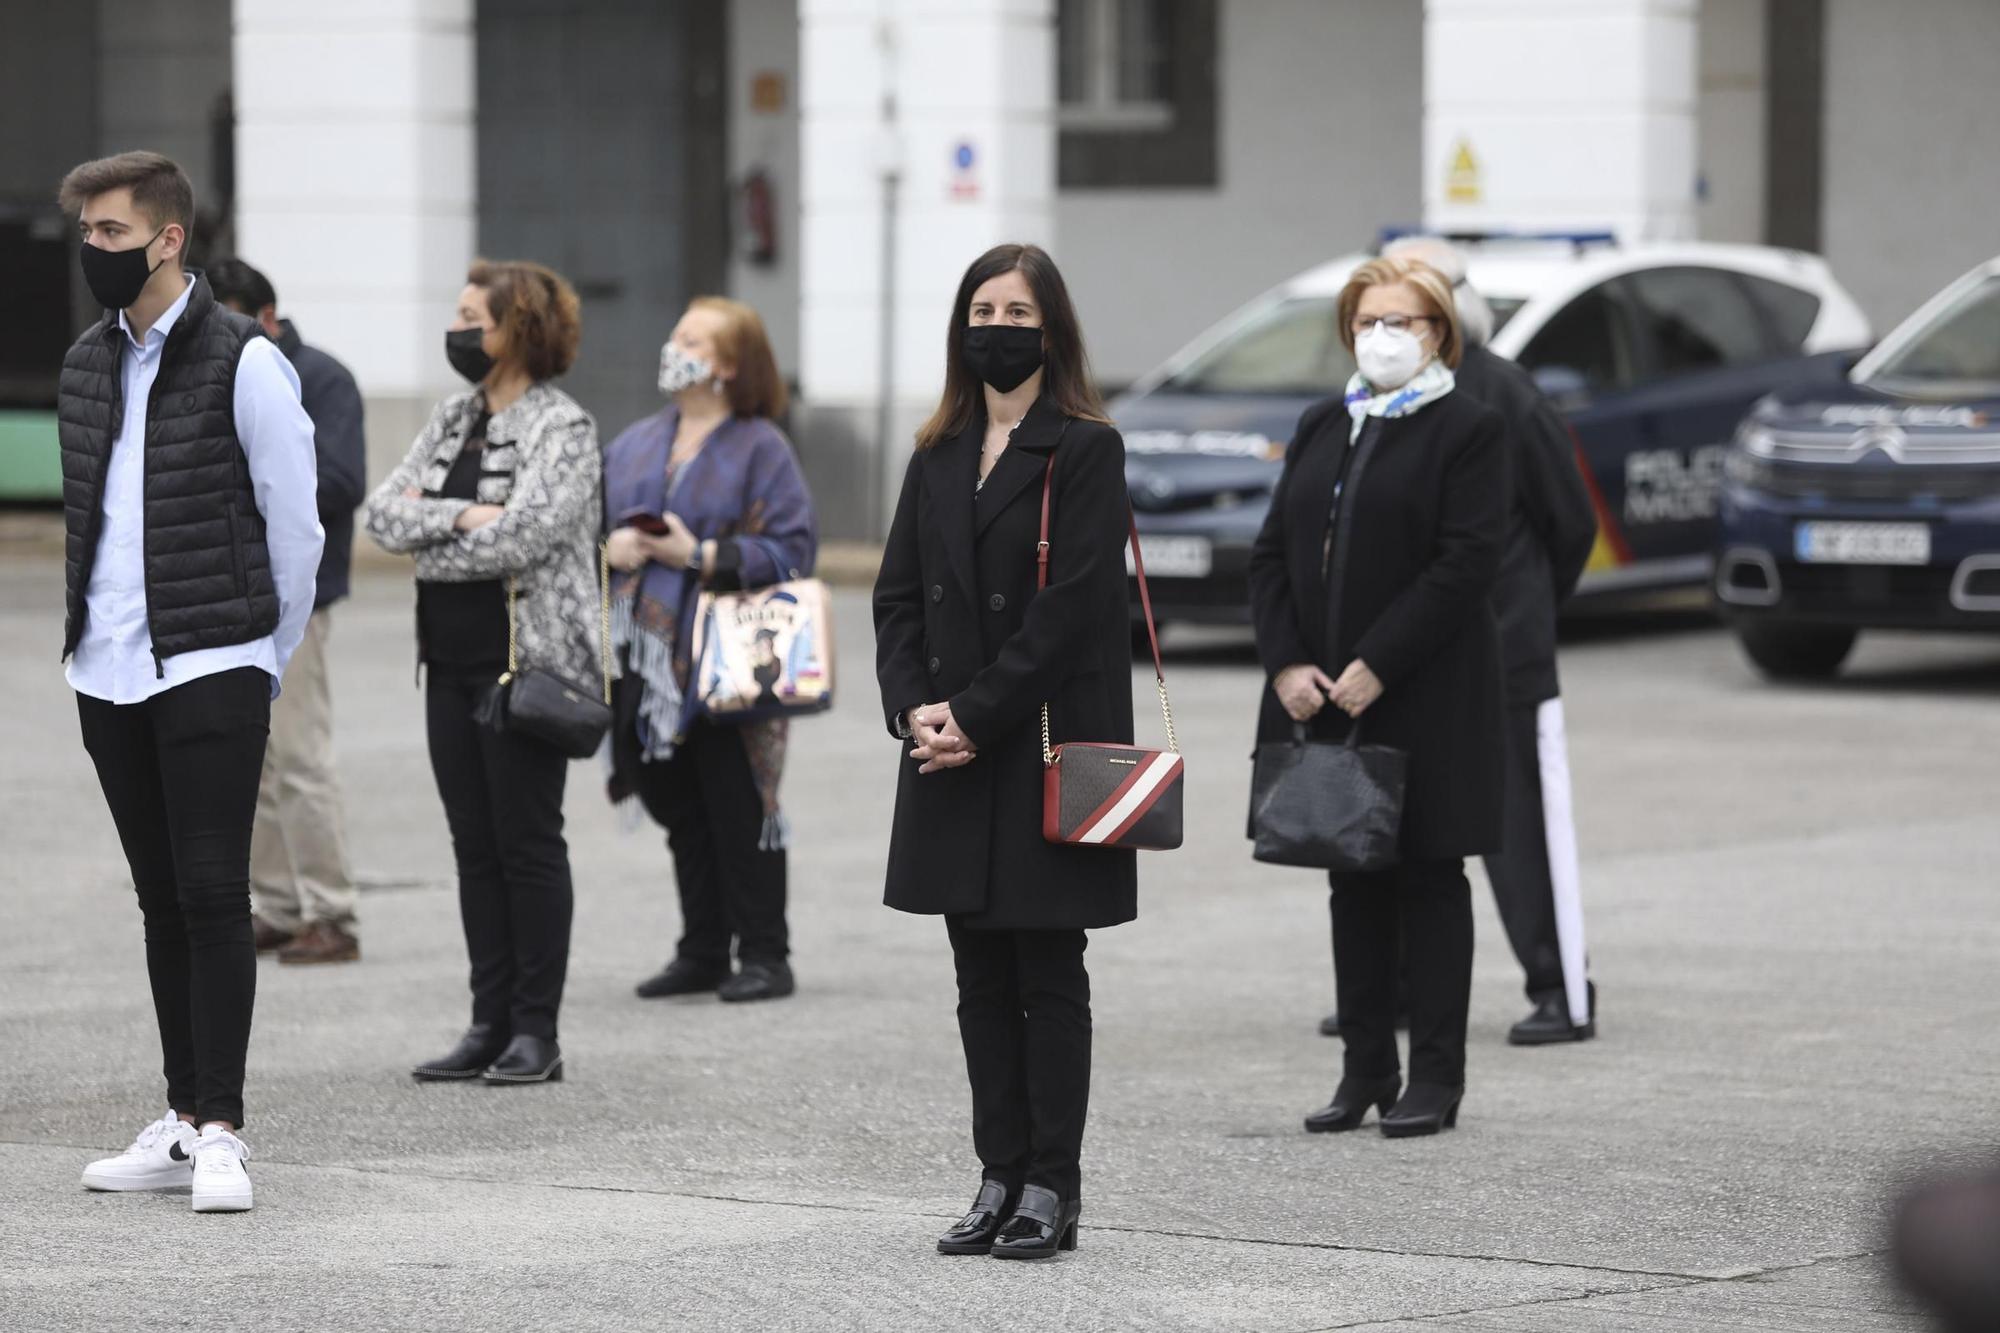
column 208, row 572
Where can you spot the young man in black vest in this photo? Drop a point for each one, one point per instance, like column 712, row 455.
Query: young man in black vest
column 302, row 893
column 193, row 537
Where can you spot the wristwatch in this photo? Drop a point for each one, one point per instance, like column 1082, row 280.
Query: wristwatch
column 693, row 565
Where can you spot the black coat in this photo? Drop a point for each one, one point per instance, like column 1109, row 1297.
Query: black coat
column 1423, row 522
column 330, row 397
column 958, row 619
column 1553, row 525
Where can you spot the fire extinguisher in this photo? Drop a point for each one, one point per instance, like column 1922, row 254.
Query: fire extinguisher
column 760, row 219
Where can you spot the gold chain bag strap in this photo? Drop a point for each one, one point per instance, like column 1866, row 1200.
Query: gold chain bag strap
column 549, row 707
column 1104, row 793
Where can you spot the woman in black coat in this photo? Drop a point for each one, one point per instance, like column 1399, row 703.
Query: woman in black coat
column 967, row 652
column 1369, row 585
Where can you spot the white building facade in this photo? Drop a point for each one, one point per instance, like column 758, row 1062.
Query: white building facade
column 838, row 162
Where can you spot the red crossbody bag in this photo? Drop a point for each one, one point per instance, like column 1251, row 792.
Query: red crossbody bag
column 1103, row 793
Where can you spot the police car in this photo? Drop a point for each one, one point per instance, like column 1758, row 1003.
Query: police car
column 1872, row 501
column 1654, row 352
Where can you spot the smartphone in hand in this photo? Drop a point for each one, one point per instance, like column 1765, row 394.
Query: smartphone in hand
column 653, row 525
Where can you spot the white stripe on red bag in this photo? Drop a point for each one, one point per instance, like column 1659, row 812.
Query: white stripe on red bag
column 1141, row 792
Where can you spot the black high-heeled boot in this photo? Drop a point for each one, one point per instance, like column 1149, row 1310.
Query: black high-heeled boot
column 1425, row 1108
column 1351, row 1101
column 975, row 1231
column 1041, row 1225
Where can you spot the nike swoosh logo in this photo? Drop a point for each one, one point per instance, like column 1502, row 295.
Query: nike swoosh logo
column 176, row 1153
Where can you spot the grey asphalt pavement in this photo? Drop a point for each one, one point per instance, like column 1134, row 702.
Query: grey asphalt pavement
column 1791, row 914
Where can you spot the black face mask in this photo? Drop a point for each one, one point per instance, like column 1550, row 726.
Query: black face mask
column 1002, row 355
column 464, row 349
column 116, row 277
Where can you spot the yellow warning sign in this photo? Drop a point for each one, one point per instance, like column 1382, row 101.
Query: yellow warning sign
column 1462, row 184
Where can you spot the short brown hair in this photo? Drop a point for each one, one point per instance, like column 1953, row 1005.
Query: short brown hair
column 1429, row 283
column 160, row 189
column 756, row 389
column 537, row 312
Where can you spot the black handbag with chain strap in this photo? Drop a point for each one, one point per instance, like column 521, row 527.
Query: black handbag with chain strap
column 536, row 702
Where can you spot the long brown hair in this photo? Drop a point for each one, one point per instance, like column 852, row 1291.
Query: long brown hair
column 756, row 389
column 1066, row 380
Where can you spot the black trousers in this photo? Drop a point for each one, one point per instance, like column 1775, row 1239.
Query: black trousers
column 503, row 795
column 732, row 890
column 1522, row 887
column 180, row 773
column 1427, row 907
column 1024, row 1018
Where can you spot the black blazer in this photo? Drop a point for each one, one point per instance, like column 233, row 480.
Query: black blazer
column 1423, row 522
column 958, row 618
column 1552, row 528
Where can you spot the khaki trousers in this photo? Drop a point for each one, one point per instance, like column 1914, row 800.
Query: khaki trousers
column 298, row 852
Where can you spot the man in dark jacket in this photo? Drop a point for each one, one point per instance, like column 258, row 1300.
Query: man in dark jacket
column 303, row 891
column 1549, row 541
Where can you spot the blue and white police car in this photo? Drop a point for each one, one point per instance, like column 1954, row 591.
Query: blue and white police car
column 1654, row 352
column 1871, row 501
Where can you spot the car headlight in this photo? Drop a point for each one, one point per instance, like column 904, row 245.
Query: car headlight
column 1755, row 439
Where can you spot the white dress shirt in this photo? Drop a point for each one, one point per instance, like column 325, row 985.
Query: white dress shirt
column 114, row 659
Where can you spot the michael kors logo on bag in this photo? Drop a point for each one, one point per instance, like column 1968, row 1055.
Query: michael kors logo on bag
column 1129, row 763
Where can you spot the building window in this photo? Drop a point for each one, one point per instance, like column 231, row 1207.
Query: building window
column 1135, row 83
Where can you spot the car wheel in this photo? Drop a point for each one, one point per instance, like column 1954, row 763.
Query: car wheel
column 1796, row 652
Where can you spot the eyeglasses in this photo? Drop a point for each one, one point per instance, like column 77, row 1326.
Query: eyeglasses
column 1394, row 323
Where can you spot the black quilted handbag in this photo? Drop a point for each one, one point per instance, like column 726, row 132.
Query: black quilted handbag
column 570, row 716
column 1327, row 804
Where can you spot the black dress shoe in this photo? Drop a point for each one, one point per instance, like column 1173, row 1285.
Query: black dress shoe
column 1041, row 1225
column 1425, row 1108
column 1550, row 1023
column 1351, row 1101
column 477, row 1049
column 683, row 976
column 527, row 1060
column 1330, row 1025
column 757, row 981
column 975, row 1231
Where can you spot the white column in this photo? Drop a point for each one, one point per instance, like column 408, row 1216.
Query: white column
column 355, row 189
column 958, row 100
column 1561, row 114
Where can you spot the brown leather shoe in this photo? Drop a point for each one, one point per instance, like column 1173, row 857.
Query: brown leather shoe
column 321, row 942
column 269, row 937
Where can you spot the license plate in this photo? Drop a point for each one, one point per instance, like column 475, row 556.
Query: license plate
column 1863, row 543
column 1175, row 557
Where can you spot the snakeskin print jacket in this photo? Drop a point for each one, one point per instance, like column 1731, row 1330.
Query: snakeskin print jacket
column 543, row 466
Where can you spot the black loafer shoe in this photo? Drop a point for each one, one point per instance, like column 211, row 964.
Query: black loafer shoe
column 527, row 1060
column 1425, row 1108
column 1351, row 1101
column 757, row 981
column 975, row 1231
column 1330, row 1025
column 478, row 1048
column 1041, row 1225
column 683, row 976
column 1550, row 1023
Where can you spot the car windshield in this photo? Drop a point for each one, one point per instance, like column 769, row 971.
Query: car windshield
column 1956, row 356
column 1504, row 308
column 1290, row 347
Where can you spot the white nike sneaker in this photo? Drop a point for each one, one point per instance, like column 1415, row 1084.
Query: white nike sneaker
column 161, row 1158
column 221, row 1185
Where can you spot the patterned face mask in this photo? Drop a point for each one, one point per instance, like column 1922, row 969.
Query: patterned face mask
column 682, row 370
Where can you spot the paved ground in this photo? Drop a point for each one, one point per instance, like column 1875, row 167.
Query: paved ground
column 1791, row 914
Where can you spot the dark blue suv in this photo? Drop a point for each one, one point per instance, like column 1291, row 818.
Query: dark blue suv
column 1871, row 502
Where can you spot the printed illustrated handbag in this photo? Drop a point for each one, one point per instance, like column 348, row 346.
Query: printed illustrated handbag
column 1330, row 805
column 572, row 717
column 764, row 654
column 1102, row 793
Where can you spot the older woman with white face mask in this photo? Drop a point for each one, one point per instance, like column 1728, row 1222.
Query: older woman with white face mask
column 1368, row 588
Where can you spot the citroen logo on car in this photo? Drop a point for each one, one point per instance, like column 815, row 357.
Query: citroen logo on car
column 1886, row 439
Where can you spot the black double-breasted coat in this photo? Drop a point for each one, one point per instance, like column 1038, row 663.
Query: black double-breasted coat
column 958, row 619
column 1415, row 550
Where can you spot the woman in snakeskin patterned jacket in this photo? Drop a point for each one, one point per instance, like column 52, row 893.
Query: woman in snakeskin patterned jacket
column 502, row 488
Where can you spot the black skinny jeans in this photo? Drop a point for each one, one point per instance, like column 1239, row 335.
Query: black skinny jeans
column 180, row 773
column 503, row 795
column 1427, row 907
column 731, row 890
column 1024, row 1017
